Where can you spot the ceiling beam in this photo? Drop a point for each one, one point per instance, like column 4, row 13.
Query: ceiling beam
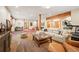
column 9, row 11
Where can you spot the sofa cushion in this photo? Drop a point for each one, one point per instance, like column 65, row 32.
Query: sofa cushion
column 59, row 38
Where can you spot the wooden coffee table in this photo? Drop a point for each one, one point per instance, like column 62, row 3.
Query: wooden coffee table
column 40, row 39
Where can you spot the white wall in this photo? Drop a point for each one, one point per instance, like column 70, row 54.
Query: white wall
column 75, row 17
column 4, row 14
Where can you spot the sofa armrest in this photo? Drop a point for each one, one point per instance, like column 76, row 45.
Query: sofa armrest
column 70, row 48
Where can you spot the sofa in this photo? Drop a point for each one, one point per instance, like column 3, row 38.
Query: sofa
column 59, row 35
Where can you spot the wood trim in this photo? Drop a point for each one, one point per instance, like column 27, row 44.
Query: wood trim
column 59, row 16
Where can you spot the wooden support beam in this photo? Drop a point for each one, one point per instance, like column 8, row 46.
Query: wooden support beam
column 39, row 22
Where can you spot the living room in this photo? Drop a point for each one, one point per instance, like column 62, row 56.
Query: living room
column 39, row 29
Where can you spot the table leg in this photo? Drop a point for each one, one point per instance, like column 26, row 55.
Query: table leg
column 51, row 39
column 35, row 39
column 38, row 45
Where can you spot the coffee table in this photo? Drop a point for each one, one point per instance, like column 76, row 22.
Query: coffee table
column 42, row 38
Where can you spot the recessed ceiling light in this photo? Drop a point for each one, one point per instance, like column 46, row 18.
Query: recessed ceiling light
column 47, row 7
column 16, row 6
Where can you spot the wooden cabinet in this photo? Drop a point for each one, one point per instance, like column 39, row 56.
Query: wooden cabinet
column 5, row 42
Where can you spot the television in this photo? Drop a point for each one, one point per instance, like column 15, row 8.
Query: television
column 77, row 30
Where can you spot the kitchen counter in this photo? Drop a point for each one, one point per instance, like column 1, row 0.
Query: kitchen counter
column 5, row 38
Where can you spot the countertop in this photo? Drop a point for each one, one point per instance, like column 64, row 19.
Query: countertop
column 3, row 34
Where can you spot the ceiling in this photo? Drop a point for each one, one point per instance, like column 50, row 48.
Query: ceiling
column 32, row 12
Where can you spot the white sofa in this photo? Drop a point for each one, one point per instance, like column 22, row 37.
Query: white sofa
column 59, row 38
column 65, row 34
